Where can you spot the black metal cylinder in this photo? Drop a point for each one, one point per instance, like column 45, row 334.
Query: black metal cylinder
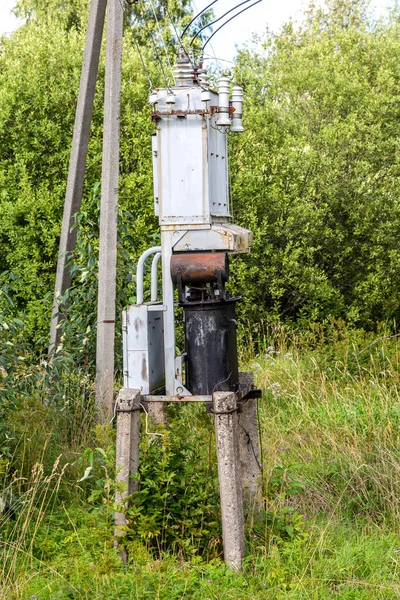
column 211, row 347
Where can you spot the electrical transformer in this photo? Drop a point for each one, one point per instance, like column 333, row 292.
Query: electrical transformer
column 193, row 205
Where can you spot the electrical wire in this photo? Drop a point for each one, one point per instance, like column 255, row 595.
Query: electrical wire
column 216, row 20
column 143, row 64
column 216, row 58
column 167, row 85
column 196, row 17
column 162, row 38
column 226, row 22
column 212, row 49
column 131, row 25
column 180, row 40
column 152, row 434
column 175, row 29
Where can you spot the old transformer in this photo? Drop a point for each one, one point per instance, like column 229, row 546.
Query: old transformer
column 191, row 200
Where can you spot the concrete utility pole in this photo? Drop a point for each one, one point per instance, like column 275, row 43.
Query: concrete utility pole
column 127, row 457
column 230, row 480
column 109, row 210
column 77, row 163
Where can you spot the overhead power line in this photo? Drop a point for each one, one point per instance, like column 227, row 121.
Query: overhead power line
column 216, row 20
column 226, row 22
column 157, row 55
column 197, row 16
column 131, row 25
column 161, row 36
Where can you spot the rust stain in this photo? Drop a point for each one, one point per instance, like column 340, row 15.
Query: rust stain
column 138, row 324
column 200, row 267
column 144, row 369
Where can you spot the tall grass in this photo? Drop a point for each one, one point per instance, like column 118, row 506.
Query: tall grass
column 25, row 503
column 336, row 410
column 330, row 427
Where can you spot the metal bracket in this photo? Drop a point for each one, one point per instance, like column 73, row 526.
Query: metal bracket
column 177, row 399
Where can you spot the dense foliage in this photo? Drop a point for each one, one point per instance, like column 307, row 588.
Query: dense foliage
column 316, row 175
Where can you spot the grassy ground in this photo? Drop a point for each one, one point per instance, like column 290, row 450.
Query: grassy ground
column 330, row 431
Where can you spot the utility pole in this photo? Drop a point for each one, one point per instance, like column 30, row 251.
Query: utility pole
column 109, row 210
column 109, row 186
column 77, row 162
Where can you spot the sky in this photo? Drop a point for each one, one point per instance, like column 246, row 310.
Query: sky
column 267, row 13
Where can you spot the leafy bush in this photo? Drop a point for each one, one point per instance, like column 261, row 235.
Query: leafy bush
column 315, row 176
column 177, row 506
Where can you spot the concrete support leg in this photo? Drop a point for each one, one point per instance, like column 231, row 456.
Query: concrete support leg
column 157, row 414
column 127, row 454
column 226, row 429
column 249, row 443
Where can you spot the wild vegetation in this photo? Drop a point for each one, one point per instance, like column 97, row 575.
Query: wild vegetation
column 329, row 526
column 315, row 177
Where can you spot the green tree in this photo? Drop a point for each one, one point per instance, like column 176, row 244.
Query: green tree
column 39, row 79
column 316, row 175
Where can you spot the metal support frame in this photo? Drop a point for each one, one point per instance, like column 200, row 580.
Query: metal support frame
column 154, row 277
column 139, row 272
column 169, row 319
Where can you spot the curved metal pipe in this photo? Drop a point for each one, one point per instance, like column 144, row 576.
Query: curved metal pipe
column 154, row 277
column 139, row 272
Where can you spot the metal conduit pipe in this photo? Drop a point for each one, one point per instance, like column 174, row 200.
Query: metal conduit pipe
column 139, row 272
column 154, row 277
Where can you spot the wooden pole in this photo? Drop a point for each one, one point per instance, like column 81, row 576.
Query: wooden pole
column 109, row 210
column 77, row 161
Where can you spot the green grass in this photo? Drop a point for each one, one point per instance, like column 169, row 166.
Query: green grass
column 330, row 430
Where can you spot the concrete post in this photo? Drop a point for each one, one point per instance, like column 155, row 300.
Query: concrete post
column 230, row 485
column 157, row 413
column 249, row 444
column 127, row 453
column 109, row 210
column 77, row 161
